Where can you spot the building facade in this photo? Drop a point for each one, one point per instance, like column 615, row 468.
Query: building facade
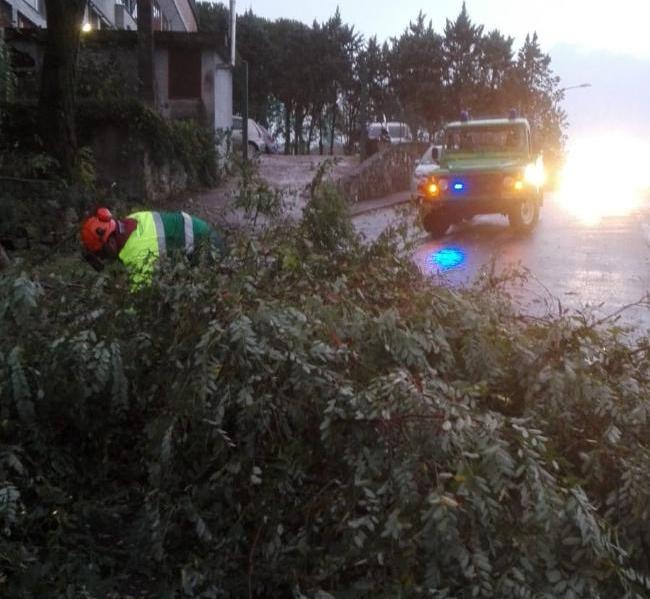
column 23, row 14
column 168, row 15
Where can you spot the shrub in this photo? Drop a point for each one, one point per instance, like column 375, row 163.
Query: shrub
column 313, row 420
column 7, row 76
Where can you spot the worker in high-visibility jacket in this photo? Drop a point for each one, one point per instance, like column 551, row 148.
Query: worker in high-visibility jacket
column 142, row 238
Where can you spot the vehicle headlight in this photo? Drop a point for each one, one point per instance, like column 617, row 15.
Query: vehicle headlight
column 534, row 174
column 513, row 184
column 432, row 188
column 429, row 187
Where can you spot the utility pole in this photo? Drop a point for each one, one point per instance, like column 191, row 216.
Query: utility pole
column 232, row 33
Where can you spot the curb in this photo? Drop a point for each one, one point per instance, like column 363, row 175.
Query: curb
column 396, row 200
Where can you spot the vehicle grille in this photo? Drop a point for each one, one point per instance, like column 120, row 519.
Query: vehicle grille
column 484, row 184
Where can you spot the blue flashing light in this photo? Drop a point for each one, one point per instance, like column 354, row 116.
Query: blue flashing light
column 448, row 258
column 459, row 186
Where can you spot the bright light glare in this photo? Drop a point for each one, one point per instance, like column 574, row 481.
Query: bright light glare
column 86, row 27
column 534, row 173
column 604, row 177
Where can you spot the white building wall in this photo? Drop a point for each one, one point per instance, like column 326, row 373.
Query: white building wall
column 222, row 98
column 105, row 9
column 34, row 10
column 123, row 19
column 179, row 14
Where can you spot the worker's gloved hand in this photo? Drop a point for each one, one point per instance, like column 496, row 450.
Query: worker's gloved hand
column 94, row 261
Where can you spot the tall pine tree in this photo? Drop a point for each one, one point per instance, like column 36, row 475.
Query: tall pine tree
column 461, row 45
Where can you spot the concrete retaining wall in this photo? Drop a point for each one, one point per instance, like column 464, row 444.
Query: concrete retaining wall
column 130, row 167
column 382, row 174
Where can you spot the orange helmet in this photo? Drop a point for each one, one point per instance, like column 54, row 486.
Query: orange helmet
column 96, row 229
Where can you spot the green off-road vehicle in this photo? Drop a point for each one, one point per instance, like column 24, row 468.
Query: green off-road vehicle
column 486, row 167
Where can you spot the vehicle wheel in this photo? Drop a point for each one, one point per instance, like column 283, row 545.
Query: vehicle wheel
column 253, row 150
column 524, row 215
column 436, row 225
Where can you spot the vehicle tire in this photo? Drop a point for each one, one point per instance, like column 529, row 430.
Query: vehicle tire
column 524, row 215
column 436, row 225
column 253, row 150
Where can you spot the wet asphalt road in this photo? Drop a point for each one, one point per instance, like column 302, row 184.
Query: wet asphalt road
column 573, row 263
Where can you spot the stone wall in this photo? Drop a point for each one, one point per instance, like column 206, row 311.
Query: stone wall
column 130, row 168
column 384, row 173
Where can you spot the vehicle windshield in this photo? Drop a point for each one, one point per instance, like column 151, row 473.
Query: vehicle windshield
column 500, row 139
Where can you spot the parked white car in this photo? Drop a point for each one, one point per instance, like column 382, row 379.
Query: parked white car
column 425, row 167
column 400, row 133
column 259, row 138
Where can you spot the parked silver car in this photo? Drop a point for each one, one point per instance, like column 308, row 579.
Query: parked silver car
column 400, row 133
column 259, row 138
column 425, row 167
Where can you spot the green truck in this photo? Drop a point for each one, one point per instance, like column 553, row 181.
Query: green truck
column 487, row 166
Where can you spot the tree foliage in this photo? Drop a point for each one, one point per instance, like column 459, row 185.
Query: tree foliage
column 416, row 74
column 314, row 418
column 421, row 77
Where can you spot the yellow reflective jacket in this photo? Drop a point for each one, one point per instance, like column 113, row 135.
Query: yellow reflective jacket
column 158, row 234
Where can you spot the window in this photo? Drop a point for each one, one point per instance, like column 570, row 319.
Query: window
column 94, row 19
column 486, row 139
column 24, row 23
column 184, row 73
column 157, row 16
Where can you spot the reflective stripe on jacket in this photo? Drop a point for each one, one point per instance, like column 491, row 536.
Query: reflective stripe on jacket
column 160, row 233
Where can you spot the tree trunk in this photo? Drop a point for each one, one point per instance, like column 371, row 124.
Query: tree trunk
column 287, row 128
column 58, row 81
column 333, row 132
column 320, row 133
column 298, row 142
column 312, row 126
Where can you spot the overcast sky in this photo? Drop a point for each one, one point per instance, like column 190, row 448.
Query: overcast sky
column 620, row 26
column 603, row 42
